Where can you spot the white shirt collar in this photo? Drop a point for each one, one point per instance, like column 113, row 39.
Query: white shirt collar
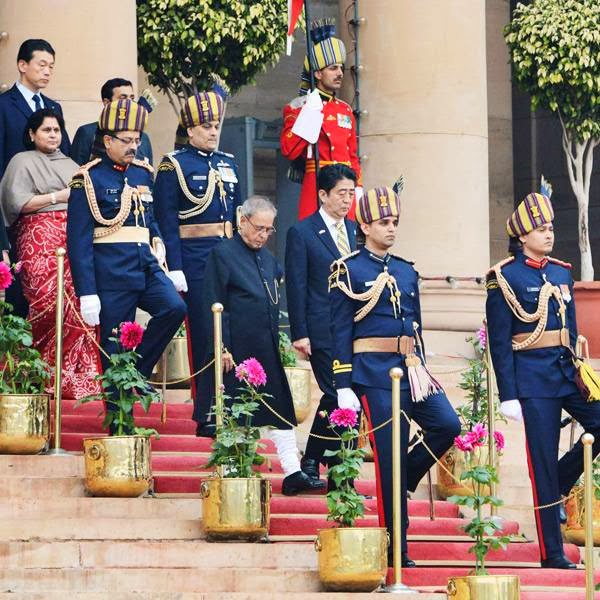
column 331, row 224
column 28, row 95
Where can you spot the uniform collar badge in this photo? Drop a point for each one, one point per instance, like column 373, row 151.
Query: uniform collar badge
column 536, row 264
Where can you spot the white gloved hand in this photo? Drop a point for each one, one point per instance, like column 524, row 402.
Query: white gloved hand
column 348, row 399
column 511, row 409
column 90, row 309
column 309, row 121
column 179, row 281
column 358, row 192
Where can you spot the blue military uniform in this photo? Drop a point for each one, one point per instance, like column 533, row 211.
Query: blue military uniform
column 115, row 261
column 197, row 194
column 541, row 376
column 361, row 360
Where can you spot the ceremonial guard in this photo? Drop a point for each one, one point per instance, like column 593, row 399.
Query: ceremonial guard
column 197, row 193
column 330, row 123
column 532, row 333
column 114, row 243
column 376, row 325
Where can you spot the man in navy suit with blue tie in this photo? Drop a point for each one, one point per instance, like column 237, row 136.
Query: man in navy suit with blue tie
column 312, row 245
column 35, row 62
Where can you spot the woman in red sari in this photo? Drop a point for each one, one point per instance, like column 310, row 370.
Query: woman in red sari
column 34, row 194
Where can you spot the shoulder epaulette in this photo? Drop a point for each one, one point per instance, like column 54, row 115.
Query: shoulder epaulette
column 87, row 166
column 221, row 153
column 338, row 262
column 144, row 164
column 166, row 165
column 344, row 102
column 298, row 102
column 410, row 262
column 491, row 279
column 175, row 152
column 76, row 182
column 562, row 263
column 499, row 265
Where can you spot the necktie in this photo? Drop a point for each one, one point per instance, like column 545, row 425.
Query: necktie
column 341, row 241
column 37, row 101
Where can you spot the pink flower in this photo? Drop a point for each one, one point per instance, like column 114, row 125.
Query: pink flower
column 482, row 337
column 131, row 335
column 477, row 436
column 343, row 417
column 6, row 277
column 499, row 439
column 18, row 266
column 323, row 414
column 252, row 371
column 463, row 444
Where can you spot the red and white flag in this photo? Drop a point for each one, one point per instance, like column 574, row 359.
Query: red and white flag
column 294, row 10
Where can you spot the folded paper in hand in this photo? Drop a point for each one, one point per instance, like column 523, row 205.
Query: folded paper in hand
column 309, row 121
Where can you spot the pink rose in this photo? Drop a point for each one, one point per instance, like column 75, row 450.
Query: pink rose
column 131, row 335
column 499, row 439
column 18, row 266
column 323, row 414
column 6, row 277
column 252, row 371
column 343, row 417
column 477, row 436
column 463, row 444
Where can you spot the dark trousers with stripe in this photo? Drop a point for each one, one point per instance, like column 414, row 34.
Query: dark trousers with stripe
column 551, row 477
column 160, row 300
column 435, row 416
column 320, row 361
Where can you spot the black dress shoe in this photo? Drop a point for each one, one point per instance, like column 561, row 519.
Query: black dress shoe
column 300, row 482
column 558, row 562
column 207, row 430
column 562, row 513
column 311, row 467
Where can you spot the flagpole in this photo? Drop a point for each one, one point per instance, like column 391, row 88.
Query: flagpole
column 311, row 75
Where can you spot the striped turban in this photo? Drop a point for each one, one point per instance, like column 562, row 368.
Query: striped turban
column 201, row 108
column 325, row 50
column 535, row 210
column 376, row 204
column 123, row 115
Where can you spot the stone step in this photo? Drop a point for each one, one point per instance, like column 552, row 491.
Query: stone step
column 181, row 508
column 61, row 595
column 200, row 554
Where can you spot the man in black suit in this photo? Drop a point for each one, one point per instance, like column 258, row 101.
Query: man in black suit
column 312, row 245
column 35, row 62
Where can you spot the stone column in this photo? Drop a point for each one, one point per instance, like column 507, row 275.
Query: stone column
column 423, row 83
column 94, row 41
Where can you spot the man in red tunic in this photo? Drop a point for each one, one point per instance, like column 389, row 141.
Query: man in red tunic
column 333, row 127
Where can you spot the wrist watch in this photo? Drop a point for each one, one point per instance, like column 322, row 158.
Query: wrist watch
column 52, row 198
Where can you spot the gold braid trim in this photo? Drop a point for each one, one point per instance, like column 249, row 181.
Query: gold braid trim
column 202, row 203
column 540, row 315
column 372, row 295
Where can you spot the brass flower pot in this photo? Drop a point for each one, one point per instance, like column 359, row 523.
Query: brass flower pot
column 454, row 460
column 117, row 466
column 352, row 559
column 236, row 508
column 574, row 529
column 299, row 381
column 177, row 363
column 484, row 587
column 24, row 423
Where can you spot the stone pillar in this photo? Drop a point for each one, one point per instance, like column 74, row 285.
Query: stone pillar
column 423, row 83
column 94, row 41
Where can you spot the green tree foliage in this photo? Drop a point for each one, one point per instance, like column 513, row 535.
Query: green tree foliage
column 555, row 51
column 181, row 42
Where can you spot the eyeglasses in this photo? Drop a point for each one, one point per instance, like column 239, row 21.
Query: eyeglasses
column 261, row 228
column 128, row 141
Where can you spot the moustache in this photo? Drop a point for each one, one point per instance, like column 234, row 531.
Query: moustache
column 130, row 153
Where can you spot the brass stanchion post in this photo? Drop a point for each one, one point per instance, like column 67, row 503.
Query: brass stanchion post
column 587, row 440
column 217, row 309
column 397, row 587
column 60, row 300
column 491, row 402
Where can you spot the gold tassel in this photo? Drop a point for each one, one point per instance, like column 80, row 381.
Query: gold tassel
column 590, row 379
column 422, row 382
